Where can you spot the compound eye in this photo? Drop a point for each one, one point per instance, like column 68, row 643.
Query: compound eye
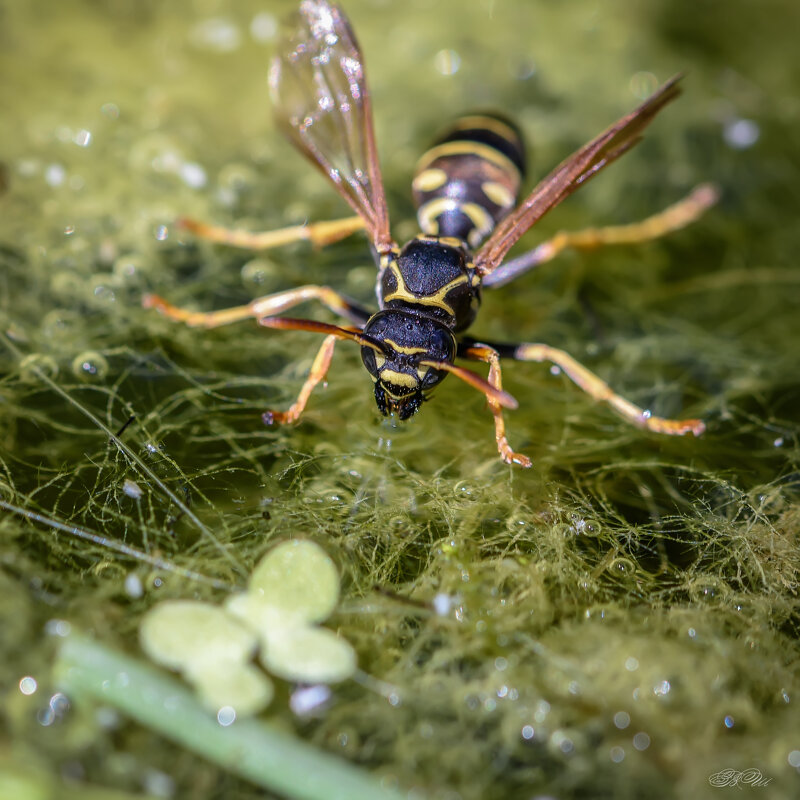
column 441, row 344
column 429, row 377
column 368, row 357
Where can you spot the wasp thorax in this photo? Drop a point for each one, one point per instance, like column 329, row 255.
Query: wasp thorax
column 402, row 369
column 433, row 275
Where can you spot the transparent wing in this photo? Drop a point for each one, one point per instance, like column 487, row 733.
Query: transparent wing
column 321, row 98
column 571, row 174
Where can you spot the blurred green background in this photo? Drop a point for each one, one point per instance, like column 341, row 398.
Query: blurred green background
column 623, row 617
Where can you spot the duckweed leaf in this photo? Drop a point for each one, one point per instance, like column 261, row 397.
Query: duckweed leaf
column 298, row 578
column 308, row 655
column 242, row 686
column 211, row 649
column 180, row 633
column 255, row 612
column 294, row 586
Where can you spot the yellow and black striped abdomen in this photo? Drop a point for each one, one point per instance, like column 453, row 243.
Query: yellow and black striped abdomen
column 469, row 180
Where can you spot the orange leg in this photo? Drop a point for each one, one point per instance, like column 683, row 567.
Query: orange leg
column 318, row 233
column 482, row 352
column 600, row 390
column 260, row 307
column 318, row 371
column 264, row 309
column 677, row 216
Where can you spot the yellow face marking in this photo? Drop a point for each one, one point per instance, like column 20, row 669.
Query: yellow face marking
column 429, row 179
column 379, row 360
column 500, row 195
column 489, row 124
column 409, row 351
column 422, row 373
column 399, row 379
column 483, row 151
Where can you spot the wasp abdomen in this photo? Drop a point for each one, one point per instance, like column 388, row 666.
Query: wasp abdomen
column 469, row 180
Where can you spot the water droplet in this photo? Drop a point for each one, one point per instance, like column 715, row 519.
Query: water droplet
column 263, row 27
column 641, row 741
column 103, row 293
column 442, row 603
column 193, row 174
column 82, row 138
column 741, row 133
column 132, row 489
column 55, row 174
column 133, row 586
column 447, row 62
column 305, row 700
column 218, row 34
column 662, row 689
column 527, row 732
column 127, row 267
column 57, row 627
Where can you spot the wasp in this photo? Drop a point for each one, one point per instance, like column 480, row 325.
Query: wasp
column 466, row 190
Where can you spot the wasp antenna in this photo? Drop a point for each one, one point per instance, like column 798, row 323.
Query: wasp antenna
column 353, row 334
column 476, row 381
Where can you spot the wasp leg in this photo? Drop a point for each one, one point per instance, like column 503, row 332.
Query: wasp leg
column 677, row 216
column 482, row 352
column 318, row 371
column 318, row 233
column 600, row 390
column 261, row 307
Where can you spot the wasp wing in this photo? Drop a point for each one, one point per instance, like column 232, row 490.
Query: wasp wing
column 571, row 174
column 322, row 101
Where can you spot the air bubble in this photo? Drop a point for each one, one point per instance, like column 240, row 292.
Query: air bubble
column 90, row 365
column 257, row 271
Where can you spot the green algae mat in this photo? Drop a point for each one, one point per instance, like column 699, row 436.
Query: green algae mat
column 618, row 621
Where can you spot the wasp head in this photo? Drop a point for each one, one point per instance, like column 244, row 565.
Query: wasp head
column 402, row 369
